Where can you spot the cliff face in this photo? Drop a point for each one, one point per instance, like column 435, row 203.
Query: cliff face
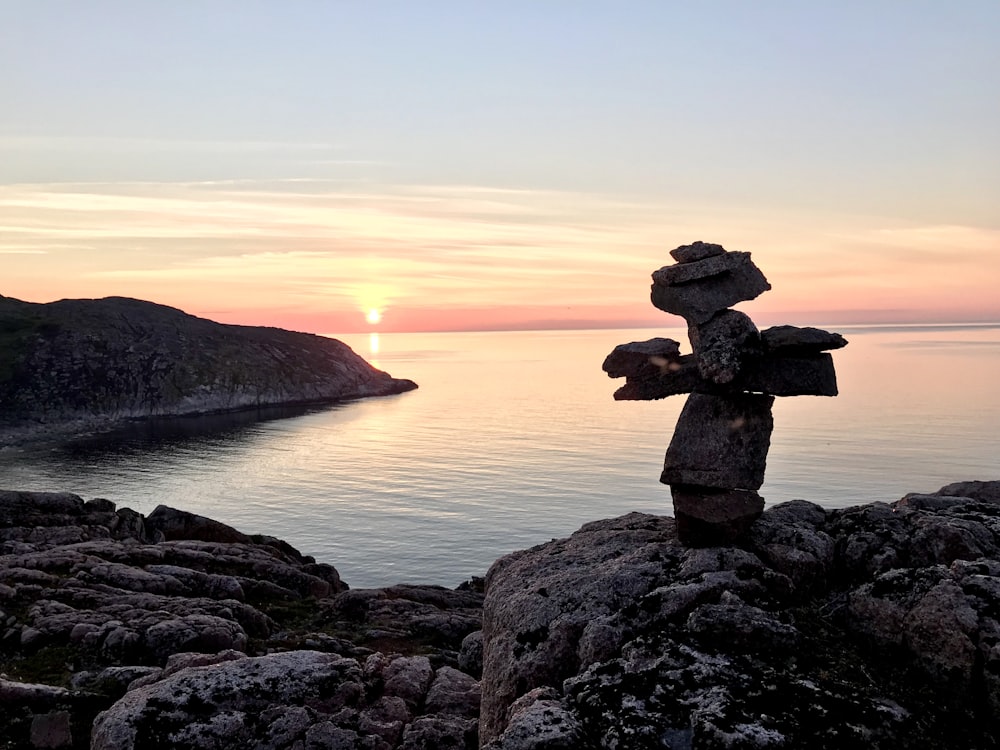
column 118, row 358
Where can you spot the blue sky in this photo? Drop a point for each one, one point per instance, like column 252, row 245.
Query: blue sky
column 639, row 120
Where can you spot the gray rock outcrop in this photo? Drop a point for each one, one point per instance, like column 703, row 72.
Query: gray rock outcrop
column 296, row 699
column 85, row 363
column 873, row 626
column 182, row 631
column 716, row 459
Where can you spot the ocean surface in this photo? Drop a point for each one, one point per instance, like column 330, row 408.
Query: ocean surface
column 513, row 439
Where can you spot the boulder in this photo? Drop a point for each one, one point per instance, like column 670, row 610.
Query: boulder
column 42, row 716
column 180, row 524
column 30, row 509
column 710, row 517
column 294, row 699
column 792, row 539
column 539, row 721
column 439, row 619
column 541, row 603
column 720, row 441
column 470, row 655
column 453, row 693
column 223, row 705
column 986, row 492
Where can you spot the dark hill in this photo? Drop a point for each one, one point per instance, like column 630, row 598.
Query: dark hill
column 91, row 361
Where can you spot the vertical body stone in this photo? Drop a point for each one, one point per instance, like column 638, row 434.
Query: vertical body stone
column 720, row 441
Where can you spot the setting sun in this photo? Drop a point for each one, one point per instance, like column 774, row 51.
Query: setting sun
column 373, row 316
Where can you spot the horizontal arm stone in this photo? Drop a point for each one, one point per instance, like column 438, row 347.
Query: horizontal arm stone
column 794, row 340
column 791, row 376
column 772, row 375
column 640, row 359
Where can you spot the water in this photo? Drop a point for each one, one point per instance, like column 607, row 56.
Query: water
column 513, row 439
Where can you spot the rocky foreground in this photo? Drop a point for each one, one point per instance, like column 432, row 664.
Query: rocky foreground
column 80, row 364
column 875, row 626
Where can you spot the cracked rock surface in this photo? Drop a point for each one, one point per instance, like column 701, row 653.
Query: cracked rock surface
column 873, row 626
column 122, row 631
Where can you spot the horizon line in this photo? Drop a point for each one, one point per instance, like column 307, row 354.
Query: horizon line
column 888, row 324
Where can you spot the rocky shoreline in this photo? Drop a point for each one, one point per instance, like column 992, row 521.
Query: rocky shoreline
column 874, row 626
column 79, row 366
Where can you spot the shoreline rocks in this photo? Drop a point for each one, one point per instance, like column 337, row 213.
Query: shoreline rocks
column 871, row 626
column 98, row 601
column 78, row 366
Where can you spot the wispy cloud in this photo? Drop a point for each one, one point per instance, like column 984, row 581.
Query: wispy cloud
column 319, row 245
column 118, row 144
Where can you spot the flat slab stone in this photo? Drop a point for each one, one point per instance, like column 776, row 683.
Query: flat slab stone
column 712, row 265
column 696, row 251
column 720, row 441
column 709, row 517
column 791, row 376
column 641, row 358
column 795, row 340
column 678, row 377
column 811, row 375
column 696, row 291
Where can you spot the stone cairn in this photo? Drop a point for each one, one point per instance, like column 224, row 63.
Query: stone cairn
column 716, row 458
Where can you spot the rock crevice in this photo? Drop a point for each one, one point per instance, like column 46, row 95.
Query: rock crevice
column 875, row 626
column 871, row 626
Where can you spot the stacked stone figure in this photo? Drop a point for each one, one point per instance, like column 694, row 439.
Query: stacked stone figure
column 716, row 459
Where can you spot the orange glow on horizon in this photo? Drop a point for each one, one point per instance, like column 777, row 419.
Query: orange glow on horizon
column 423, row 258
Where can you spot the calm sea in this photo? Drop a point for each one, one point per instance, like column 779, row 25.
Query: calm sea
column 513, row 439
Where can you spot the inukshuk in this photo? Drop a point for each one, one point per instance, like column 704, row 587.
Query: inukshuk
column 716, row 458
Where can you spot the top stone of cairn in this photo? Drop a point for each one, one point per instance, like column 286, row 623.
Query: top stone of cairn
column 696, row 251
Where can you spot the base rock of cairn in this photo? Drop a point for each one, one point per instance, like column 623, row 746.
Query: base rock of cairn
column 715, row 462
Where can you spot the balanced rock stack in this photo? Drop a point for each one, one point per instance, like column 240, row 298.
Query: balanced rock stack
column 716, row 459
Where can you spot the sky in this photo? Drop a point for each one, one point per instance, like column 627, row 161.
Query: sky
column 485, row 165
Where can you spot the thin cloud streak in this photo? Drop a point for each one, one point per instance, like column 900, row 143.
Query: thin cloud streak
column 76, row 143
column 327, row 252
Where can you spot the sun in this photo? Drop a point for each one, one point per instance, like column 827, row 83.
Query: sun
column 373, row 316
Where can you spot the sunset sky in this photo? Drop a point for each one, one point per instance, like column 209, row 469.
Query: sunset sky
column 473, row 165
